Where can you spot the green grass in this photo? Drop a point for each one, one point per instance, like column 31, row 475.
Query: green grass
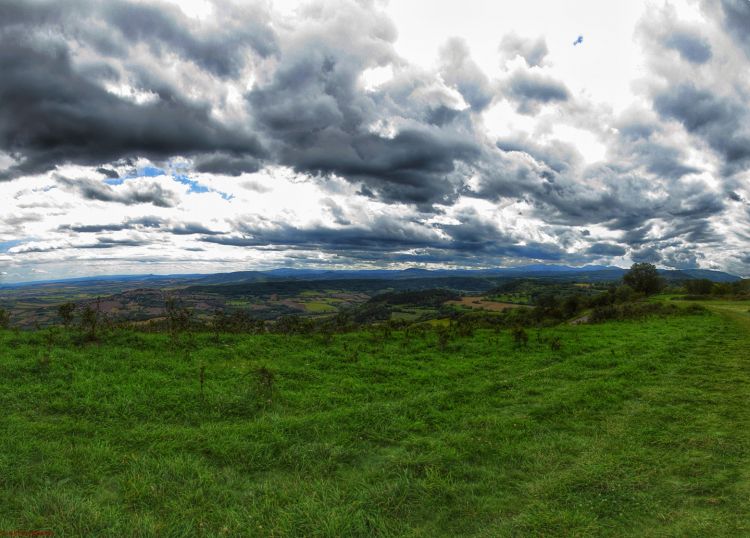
column 319, row 307
column 517, row 298
column 630, row 429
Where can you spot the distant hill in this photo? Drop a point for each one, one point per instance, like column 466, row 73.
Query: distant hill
column 588, row 273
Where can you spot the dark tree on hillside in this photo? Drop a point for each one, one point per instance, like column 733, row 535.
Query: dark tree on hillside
column 644, row 278
column 90, row 319
column 4, row 318
column 65, row 311
column 699, row 287
column 178, row 317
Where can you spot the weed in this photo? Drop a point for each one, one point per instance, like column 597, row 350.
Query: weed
column 520, row 337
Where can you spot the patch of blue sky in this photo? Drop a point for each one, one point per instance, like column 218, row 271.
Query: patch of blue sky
column 146, row 171
column 152, row 171
column 196, row 187
column 5, row 246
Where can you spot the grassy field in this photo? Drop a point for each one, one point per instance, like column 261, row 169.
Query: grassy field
column 629, row 429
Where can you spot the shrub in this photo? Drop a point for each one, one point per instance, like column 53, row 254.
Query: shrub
column 443, row 336
column 520, row 337
column 90, row 320
column 65, row 311
column 264, row 379
column 640, row 311
column 178, row 317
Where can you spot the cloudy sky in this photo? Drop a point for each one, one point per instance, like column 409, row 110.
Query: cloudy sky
column 207, row 136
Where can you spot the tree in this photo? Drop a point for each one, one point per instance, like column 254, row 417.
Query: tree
column 623, row 293
column 571, row 305
column 644, row 278
column 65, row 311
column 178, row 317
column 4, row 318
column 702, row 286
column 90, row 319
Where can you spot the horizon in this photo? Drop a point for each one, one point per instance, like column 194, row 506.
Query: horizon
column 210, row 136
column 563, row 268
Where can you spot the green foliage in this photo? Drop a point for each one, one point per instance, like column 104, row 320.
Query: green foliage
column 90, row 319
column 430, row 297
column 444, row 335
column 65, row 311
column 520, row 337
column 701, row 286
column 4, row 318
column 644, row 278
column 630, row 311
column 178, row 317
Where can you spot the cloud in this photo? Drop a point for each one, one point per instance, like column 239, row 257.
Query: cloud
column 530, row 89
column 533, row 51
column 130, row 193
column 606, row 249
column 722, row 121
column 460, row 71
column 735, row 16
column 56, row 112
column 691, row 45
column 255, row 135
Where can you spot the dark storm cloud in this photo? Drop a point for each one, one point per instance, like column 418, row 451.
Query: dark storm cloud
column 557, row 155
column 648, row 255
column 227, row 164
column 100, row 243
column 473, row 239
column 112, row 174
column 606, row 249
column 128, row 224
column 681, row 259
column 221, row 51
column 460, row 71
column 52, row 113
column 129, row 194
column 383, row 233
column 722, row 121
column 736, row 19
column 530, row 89
column 662, row 160
column 113, row 26
column 691, row 46
column 142, row 224
column 105, row 84
column 320, row 121
column 112, row 243
column 641, row 145
column 192, row 228
column 321, row 125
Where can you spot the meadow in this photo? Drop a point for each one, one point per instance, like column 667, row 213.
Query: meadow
column 628, row 428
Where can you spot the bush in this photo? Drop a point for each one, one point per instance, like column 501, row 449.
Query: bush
column 639, row 311
column 520, row 337
column 90, row 320
column 65, row 311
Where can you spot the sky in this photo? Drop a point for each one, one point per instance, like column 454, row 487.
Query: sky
column 211, row 136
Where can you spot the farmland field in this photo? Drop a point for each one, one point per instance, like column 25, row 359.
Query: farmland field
column 634, row 428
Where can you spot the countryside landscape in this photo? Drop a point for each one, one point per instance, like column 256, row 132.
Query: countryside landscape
column 375, row 268
column 554, row 404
